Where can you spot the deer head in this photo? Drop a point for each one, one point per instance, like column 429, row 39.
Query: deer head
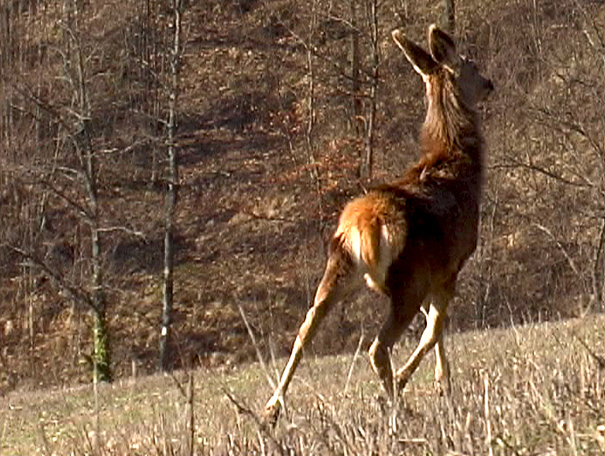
column 445, row 65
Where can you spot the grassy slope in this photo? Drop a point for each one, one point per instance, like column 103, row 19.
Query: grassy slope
column 250, row 227
column 545, row 395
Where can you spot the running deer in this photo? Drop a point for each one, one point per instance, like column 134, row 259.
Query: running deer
column 409, row 239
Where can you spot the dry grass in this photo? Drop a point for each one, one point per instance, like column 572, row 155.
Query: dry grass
column 535, row 390
column 251, row 221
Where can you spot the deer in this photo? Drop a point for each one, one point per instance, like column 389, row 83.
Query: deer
column 410, row 238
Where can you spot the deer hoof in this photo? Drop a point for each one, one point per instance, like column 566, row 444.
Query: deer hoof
column 271, row 413
column 401, row 380
column 442, row 388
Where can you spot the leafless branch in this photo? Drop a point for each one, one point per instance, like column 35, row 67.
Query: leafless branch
column 568, row 121
column 600, row 360
column 514, row 163
column 24, row 90
column 259, row 355
column 262, row 427
column 568, row 257
column 123, row 229
column 83, row 211
column 355, row 356
column 73, row 292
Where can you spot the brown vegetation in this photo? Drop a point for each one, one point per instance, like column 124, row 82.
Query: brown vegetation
column 269, row 153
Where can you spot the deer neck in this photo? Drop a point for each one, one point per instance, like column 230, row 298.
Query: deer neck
column 451, row 127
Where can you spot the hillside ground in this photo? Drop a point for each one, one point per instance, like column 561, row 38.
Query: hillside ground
column 269, row 154
column 531, row 390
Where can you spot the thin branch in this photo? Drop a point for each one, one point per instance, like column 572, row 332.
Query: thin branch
column 339, row 67
column 530, row 166
column 83, row 211
column 179, row 385
column 256, row 348
column 42, row 104
column 124, row 150
column 123, row 229
column 254, row 216
column 147, row 116
column 355, row 356
column 261, row 425
column 558, row 120
column 600, row 360
column 569, row 259
column 71, row 291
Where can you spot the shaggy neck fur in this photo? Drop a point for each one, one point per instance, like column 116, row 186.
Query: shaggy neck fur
column 451, row 127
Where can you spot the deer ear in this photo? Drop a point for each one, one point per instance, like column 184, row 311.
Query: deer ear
column 443, row 48
column 421, row 60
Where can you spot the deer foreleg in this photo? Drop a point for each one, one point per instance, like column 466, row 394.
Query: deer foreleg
column 336, row 281
column 431, row 336
column 305, row 334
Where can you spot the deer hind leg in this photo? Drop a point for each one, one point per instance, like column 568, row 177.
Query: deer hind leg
column 402, row 312
column 432, row 336
column 341, row 277
column 442, row 369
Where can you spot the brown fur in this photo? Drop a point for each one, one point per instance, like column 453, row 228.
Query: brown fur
column 409, row 239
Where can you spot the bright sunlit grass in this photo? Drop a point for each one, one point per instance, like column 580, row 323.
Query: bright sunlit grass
column 530, row 390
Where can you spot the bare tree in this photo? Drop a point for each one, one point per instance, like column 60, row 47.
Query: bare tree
column 172, row 189
column 372, row 17
column 74, row 139
column 357, row 107
column 87, row 157
column 448, row 16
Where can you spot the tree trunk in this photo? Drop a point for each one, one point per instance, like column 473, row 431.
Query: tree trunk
column 171, row 195
column 448, row 18
column 356, row 105
column 368, row 161
column 598, row 273
column 101, row 353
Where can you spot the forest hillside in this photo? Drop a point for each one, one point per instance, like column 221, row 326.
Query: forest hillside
column 244, row 126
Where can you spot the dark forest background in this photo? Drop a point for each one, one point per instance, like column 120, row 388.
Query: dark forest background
column 237, row 130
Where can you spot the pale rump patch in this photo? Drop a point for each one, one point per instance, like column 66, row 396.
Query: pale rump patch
column 372, row 244
column 353, row 242
column 377, row 273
